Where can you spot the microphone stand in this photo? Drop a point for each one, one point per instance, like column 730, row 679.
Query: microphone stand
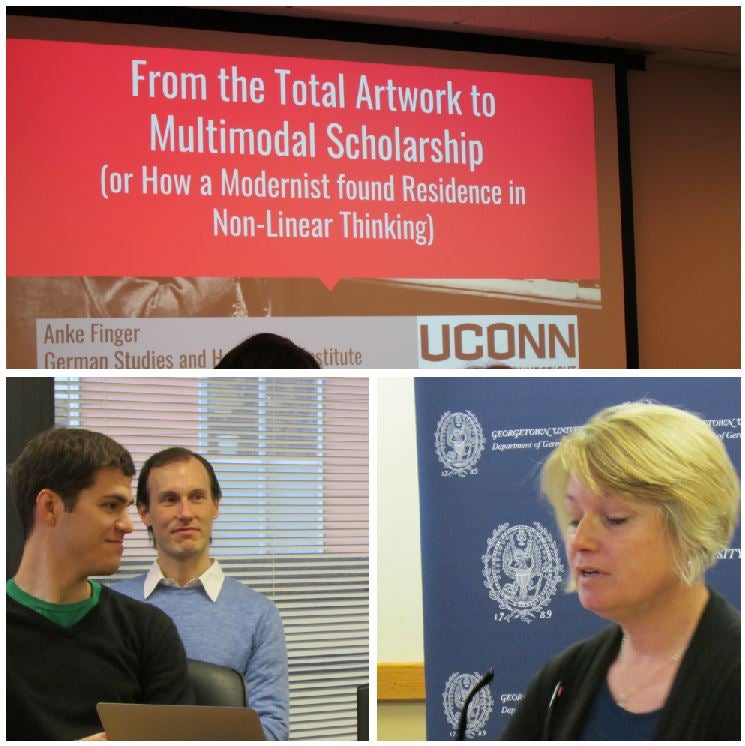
column 480, row 684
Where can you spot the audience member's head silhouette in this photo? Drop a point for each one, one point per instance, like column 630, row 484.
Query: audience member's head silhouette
column 267, row 350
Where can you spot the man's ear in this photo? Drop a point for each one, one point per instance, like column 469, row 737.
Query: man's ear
column 142, row 509
column 216, row 504
column 49, row 506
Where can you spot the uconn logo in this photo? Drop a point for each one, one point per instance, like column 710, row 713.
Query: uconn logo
column 528, row 341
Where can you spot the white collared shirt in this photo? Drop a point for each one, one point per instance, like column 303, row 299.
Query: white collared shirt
column 211, row 580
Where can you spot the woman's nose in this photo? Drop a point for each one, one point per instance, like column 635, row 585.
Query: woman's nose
column 584, row 536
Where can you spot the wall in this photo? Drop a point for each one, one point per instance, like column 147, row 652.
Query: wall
column 685, row 143
column 400, row 634
column 399, row 573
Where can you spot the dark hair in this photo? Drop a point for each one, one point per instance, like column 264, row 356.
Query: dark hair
column 66, row 461
column 169, row 456
column 267, row 350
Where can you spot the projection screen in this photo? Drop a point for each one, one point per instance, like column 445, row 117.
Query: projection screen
column 172, row 191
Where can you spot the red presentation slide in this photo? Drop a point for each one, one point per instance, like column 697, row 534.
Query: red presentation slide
column 129, row 161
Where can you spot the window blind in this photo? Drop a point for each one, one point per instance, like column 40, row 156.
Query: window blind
column 291, row 456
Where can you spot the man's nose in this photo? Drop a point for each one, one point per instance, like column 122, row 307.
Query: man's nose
column 125, row 523
column 184, row 509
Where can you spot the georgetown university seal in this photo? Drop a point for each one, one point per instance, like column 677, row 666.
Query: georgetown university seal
column 459, row 442
column 521, row 570
column 454, row 697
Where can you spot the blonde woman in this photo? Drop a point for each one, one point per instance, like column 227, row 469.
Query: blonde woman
column 645, row 496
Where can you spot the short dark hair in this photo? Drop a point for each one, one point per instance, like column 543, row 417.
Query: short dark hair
column 169, row 456
column 65, row 460
column 266, row 350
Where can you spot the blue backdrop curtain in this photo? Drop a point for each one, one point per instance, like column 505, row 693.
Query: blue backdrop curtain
column 493, row 563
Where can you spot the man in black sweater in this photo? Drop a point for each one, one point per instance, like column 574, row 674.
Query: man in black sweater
column 71, row 642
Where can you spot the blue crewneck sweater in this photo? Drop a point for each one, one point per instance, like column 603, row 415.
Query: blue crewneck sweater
column 241, row 630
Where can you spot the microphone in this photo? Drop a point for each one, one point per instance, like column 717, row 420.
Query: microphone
column 558, row 691
column 477, row 687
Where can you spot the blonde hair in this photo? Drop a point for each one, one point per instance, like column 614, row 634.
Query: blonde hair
column 662, row 456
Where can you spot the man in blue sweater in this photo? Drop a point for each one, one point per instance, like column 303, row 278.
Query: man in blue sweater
column 220, row 619
column 71, row 642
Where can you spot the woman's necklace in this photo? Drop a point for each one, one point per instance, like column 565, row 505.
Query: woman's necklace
column 623, row 697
